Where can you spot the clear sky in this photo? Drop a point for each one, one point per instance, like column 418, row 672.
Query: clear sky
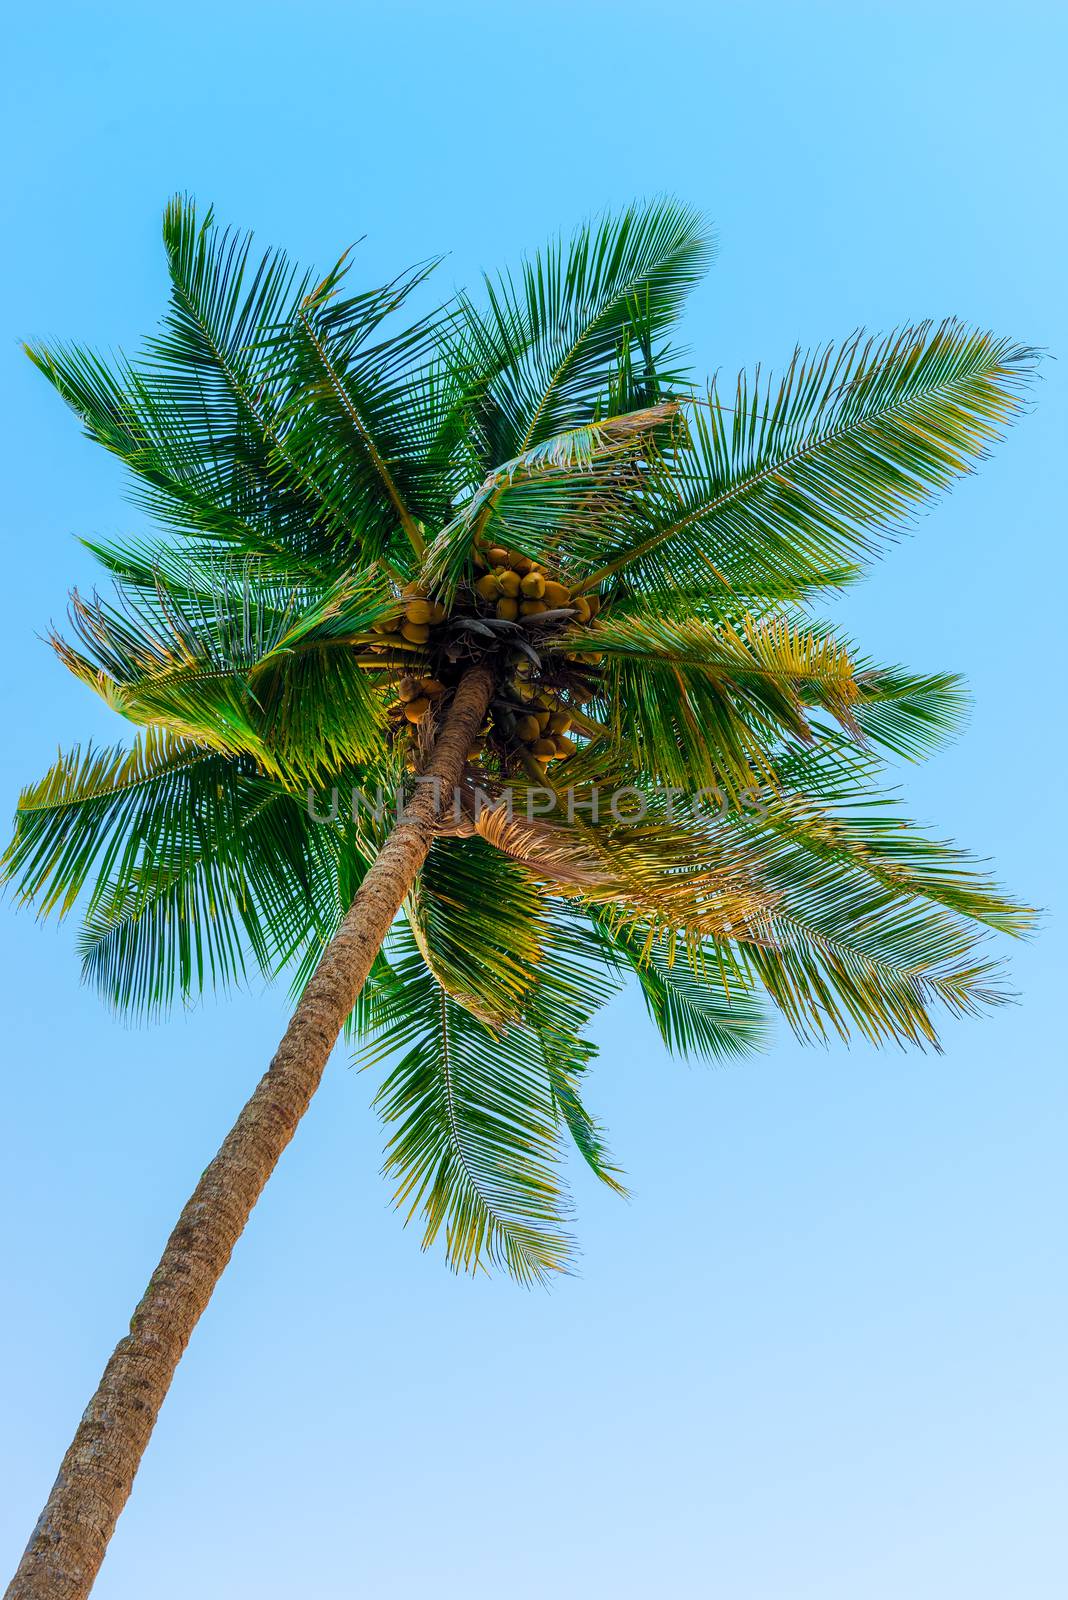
column 820, row 1354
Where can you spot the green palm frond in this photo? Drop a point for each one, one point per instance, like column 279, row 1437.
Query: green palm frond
column 871, row 836
column 848, row 949
column 910, row 714
column 357, row 412
column 711, row 703
column 475, row 1151
column 699, row 1009
column 529, row 502
column 547, row 347
column 197, row 419
column 246, row 880
column 478, row 920
column 501, row 951
column 573, row 982
column 808, row 475
column 239, row 666
column 699, row 704
column 87, row 816
column 187, row 865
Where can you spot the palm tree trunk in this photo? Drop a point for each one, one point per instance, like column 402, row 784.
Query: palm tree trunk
column 97, row 1473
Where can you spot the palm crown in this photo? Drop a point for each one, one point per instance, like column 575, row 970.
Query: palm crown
column 369, row 508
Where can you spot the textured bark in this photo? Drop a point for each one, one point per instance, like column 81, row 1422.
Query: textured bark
column 97, row 1473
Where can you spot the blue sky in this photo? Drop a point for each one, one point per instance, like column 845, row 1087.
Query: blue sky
column 819, row 1355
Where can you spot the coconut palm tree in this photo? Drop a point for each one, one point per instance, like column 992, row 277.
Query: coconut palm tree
column 505, row 560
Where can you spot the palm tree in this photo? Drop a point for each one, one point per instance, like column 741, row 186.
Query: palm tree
column 509, row 554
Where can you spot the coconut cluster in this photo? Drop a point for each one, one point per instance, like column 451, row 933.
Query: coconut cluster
column 512, row 615
column 517, row 587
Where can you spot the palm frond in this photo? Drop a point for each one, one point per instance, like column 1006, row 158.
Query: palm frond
column 478, row 921
column 547, row 347
column 476, row 1145
column 698, row 704
column 361, row 414
column 698, row 1008
column 186, row 865
column 86, row 816
column 814, row 472
column 242, row 667
column 529, row 502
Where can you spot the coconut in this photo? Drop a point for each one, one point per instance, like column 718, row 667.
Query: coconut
column 559, row 722
column 431, row 687
column 415, row 589
column 488, row 587
column 594, row 603
column 564, row 745
column 542, row 719
column 582, row 608
column 555, row 594
column 497, row 556
column 508, row 609
column 544, row 748
column 532, row 586
column 437, row 613
column 417, row 611
column 532, row 608
column 528, row 728
column 508, row 582
column 409, row 688
column 415, row 632
column 521, row 564
column 415, row 710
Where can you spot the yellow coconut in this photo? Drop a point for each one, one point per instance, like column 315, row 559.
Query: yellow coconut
column 594, row 603
column 559, row 722
column 508, row 582
column 528, row 728
column 544, row 749
column 415, row 710
column 497, row 556
column 555, row 594
column 532, row 608
column 521, row 564
column 532, row 586
column 508, row 609
column 409, row 688
column 542, row 719
column 417, row 611
column 564, row 745
column 437, row 613
column 415, row 632
column 582, row 608
column 488, row 587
